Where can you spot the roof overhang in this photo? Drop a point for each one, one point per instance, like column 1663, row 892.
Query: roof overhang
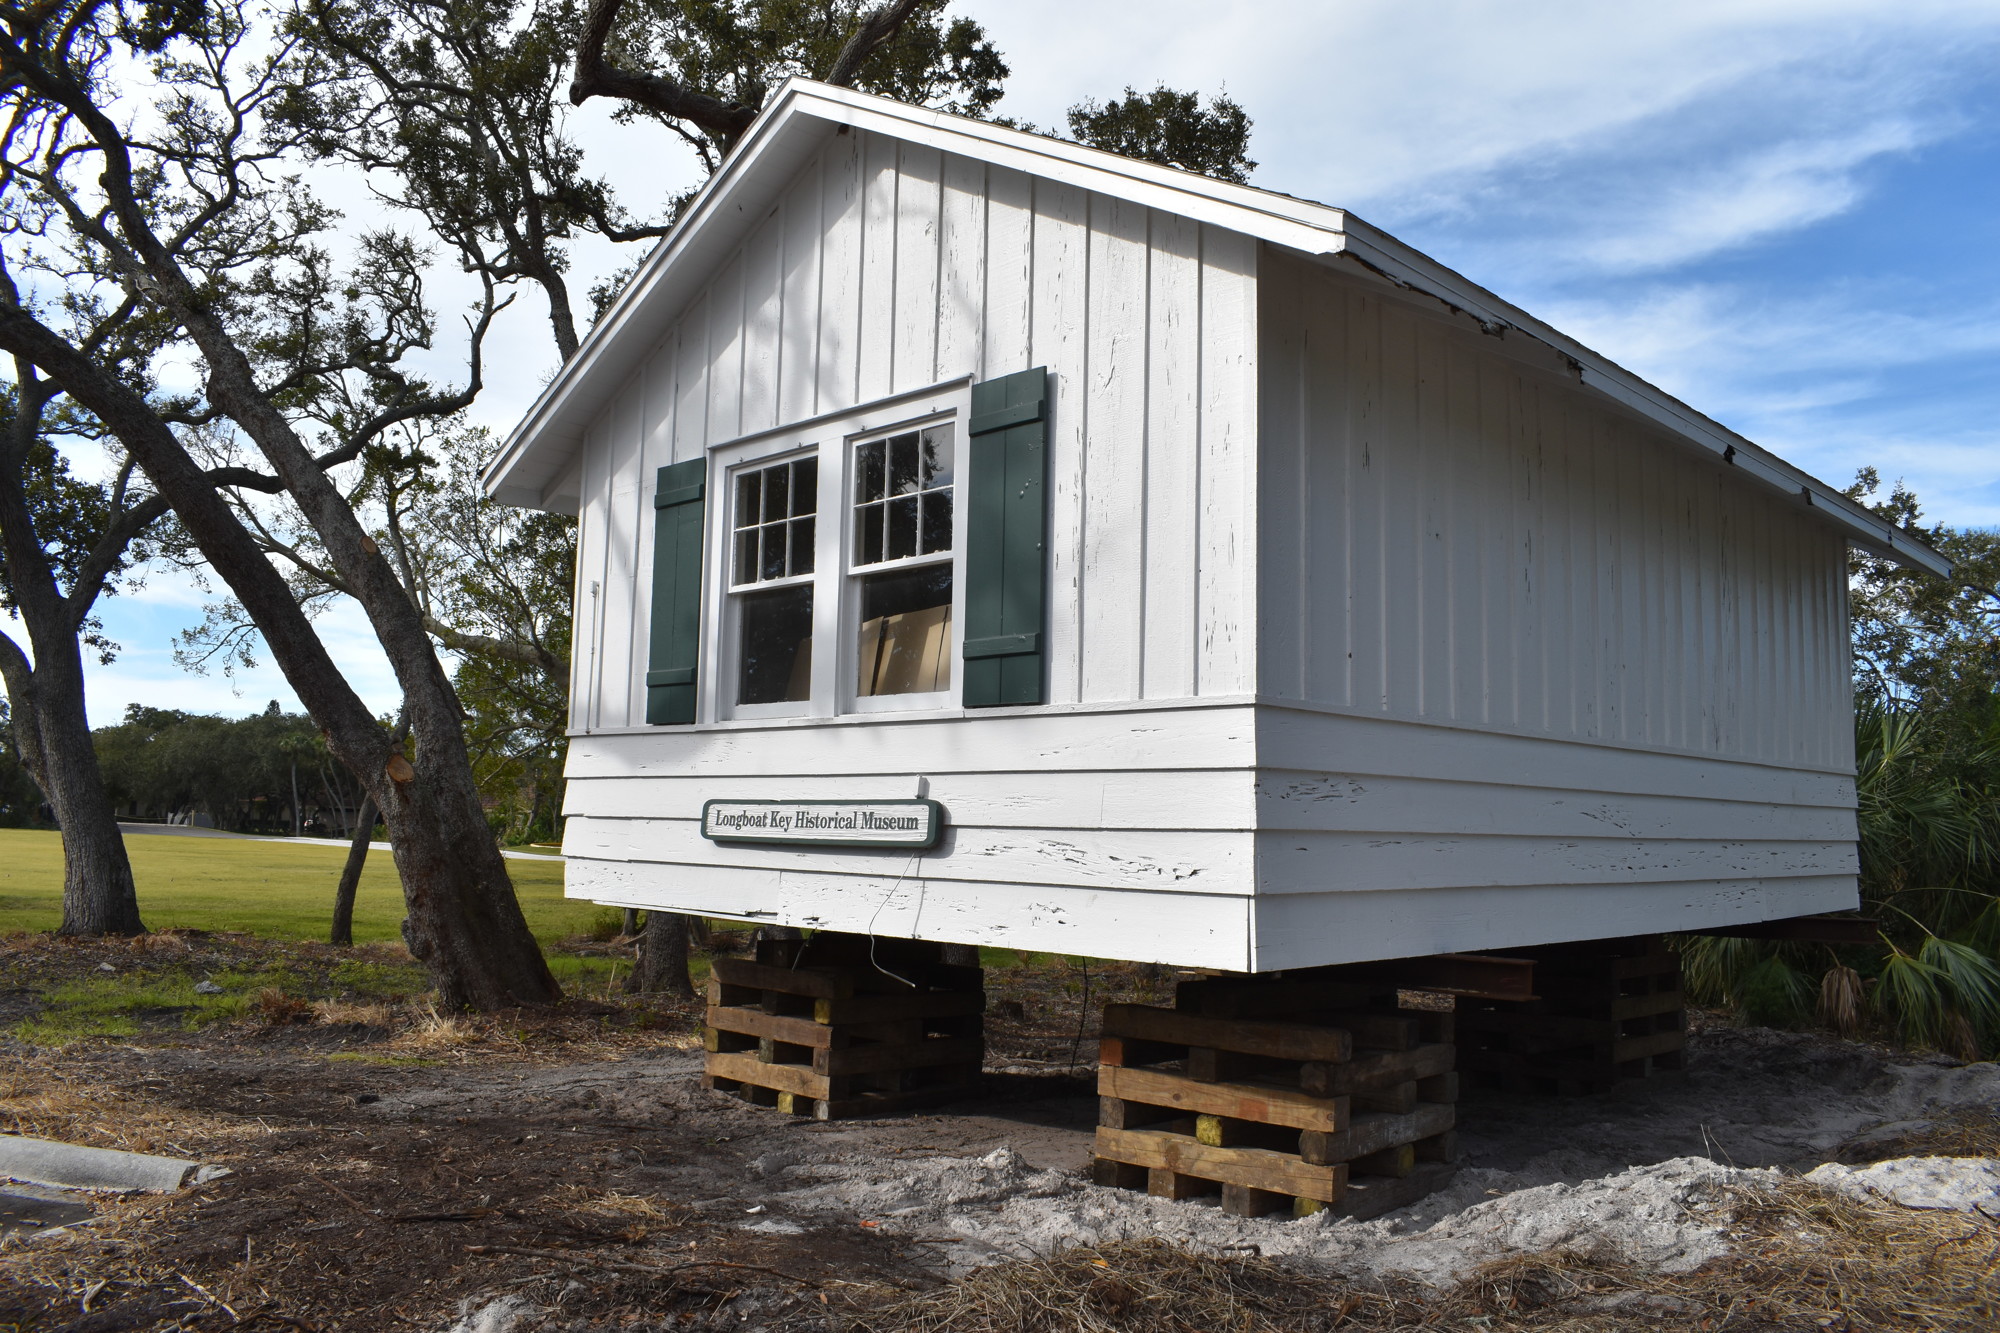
column 534, row 466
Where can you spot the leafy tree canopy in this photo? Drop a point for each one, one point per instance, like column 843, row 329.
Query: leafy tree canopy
column 1172, row 128
column 239, row 771
column 1922, row 641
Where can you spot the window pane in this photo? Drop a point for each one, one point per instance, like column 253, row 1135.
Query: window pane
column 937, row 456
column 777, row 493
column 802, row 546
column 868, row 536
column 905, row 643
column 903, row 464
column 774, row 552
column 868, row 473
column 746, row 499
column 776, row 646
column 902, row 528
column 746, row 557
column 937, row 521
column 805, row 486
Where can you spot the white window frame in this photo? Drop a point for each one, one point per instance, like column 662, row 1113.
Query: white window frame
column 835, row 438
column 731, row 594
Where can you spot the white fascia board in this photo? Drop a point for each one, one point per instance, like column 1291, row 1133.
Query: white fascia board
column 1409, row 268
column 1270, row 216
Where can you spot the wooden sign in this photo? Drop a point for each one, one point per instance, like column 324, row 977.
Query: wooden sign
column 911, row 825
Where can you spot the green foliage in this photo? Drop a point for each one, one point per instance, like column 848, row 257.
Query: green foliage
column 1926, row 812
column 608, row 924
column 1171, row 128
column 1761, row 983
column 73, row 520
column 737, row 51
column 1773, row 992
column 1946, row 996
column 240, row 772
column 1921, row 642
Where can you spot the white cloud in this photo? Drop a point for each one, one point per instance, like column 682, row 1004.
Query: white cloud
column 1831, row 380
column 1769, row 191
column 1538, row 134
column 1719, row 335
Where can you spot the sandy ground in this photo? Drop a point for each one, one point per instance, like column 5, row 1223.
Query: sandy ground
column 1620, row 1171
column 492, row 1182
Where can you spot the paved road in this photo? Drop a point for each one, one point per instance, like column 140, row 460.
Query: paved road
column 184, row 831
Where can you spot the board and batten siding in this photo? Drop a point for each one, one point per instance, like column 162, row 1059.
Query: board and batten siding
column 1529, row 671
column 1122, row 811
column 887, row 267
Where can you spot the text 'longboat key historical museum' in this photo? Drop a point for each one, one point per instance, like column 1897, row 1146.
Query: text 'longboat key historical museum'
column 990, row 540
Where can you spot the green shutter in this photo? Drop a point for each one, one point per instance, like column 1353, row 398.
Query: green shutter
column 676, row 642
column 1006, row 540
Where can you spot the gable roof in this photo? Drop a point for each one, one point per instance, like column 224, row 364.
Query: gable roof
column 544, row 446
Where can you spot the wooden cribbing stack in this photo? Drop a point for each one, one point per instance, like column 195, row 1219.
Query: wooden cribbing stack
column 1605, row 1011
column 839, row 1026
column 1292, row 1092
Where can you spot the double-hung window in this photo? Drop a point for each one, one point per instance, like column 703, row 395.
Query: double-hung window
column 841, row 557
column 889, row 559
column 901, row 562
column 773, row 550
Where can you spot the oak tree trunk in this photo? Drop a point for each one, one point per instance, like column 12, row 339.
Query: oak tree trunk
column 662, row 964
column 52, row 729
column 465, row 923
column 350, row 876
column 99, row 897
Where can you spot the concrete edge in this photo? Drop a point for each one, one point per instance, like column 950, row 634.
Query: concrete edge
column 73, row 1166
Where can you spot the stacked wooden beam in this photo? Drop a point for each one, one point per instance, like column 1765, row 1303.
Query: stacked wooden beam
column 1606, row 1011
column 1276, row 1094
column 843, row 1026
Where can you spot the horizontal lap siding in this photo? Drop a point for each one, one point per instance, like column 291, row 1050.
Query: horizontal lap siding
column 1120, row 831
column 1297, row 930
column 886, row 267
column 1451, row 537
column 1188, row 929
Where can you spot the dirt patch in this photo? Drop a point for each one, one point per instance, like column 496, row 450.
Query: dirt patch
column 567, row 1172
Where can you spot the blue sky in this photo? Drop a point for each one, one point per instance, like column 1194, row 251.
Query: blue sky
column 1785, row 213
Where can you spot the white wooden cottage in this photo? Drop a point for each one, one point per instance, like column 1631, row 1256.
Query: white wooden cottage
column 989, row 539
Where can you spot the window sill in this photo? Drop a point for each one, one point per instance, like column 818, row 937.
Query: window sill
column 953, row 713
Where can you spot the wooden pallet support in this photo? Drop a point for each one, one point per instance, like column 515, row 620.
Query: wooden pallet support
column 1606, row 1011
column 1285, row 1094
column 840, row 1026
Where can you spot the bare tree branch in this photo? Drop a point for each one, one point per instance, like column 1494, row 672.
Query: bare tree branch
column 598, row 77
column 875, row 32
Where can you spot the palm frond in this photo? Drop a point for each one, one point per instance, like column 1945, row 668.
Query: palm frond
column 1911, row 997
column 1773, row 992
column 1971, row 977
column 1712, row 967
column 1841, row 999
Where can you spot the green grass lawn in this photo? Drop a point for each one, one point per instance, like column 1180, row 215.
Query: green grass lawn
column 276, row 890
